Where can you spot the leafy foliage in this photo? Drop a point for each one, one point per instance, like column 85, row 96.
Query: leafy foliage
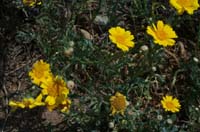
column 78, row 48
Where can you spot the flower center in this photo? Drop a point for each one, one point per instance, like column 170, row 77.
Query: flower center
column 161, row 34
column 39, row 74
column 184, row 3
column 120, row 39
column 119, row 103
column 55, row 89
column 169, row 105
column 28, row 102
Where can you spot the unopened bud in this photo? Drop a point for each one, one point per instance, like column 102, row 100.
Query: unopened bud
column 154, row 68
column 71, row 43
column 101, row 19
column 169, row 121
column 70, row 84
column 127, row 103
column 197, row 109
column 159, row 117
column 195, row 59
column 111, row 125
column 68, row 52
column 144, row 48
column 124, row 121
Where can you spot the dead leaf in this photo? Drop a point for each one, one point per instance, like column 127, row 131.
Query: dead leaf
column 52, row 116
column 86, row 34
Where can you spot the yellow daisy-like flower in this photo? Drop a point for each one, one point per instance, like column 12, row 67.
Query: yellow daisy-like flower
column 118, row 103
column 31, row 3
column 170, row 104
column 185, row 5
column 16, row 104
column 65, row 105
column 54, row 88
column 163, row 34
column 58, row 101
column 123, row 39
column 28, row 103
column 50, row 107
column 62, row 103
column 40, row 72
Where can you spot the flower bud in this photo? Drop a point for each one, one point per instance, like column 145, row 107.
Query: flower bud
column 197, row 109
column 195, row 59
column 101, row 20
column 127, row 103
column 144, row 48
column 70, row 84
column 159, row 117
column 68, row 52
column 154, row 68
column 169, row 121
column 71, row 43
column 111, row 125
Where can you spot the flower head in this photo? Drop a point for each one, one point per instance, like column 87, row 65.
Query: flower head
column 170, row 104
column 31, row 3
column 17, row 104
column 54, row 88
column 40, row 72
column 38, row 101
column 65, row 105
column 28, row 103
column 185, row 5
column 61, row 102
column 118, row 103
column 163, row 34
column 123, row 39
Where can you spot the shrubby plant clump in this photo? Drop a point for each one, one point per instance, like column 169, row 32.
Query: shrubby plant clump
column 124, row 71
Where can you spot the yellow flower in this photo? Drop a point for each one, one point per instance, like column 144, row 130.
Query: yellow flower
column 118, row 103
column 31, row 3
column 40, row 72
column 16, row 104
column 28, row 103
column 58, row 101
column 123, row 39
column 54, row 88
column 61, row 102
column 51, row 107
column 170, row 104
column 185, row 5
column 162, row 34
column 37, row 102
column 65, row 105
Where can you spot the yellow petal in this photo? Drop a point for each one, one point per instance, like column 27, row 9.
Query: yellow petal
column 50, row 100
column 160, row 25
column 39, row 98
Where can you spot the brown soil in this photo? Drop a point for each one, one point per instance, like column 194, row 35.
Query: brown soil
column 15, row 82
